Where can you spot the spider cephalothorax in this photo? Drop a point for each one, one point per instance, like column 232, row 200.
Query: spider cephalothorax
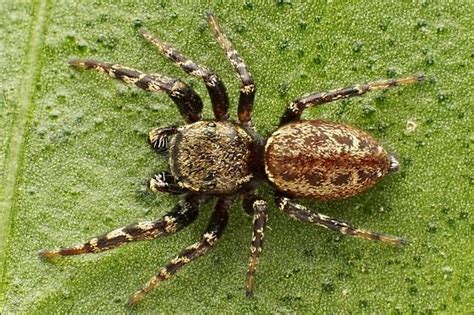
column 223, row 159
column 216, row 157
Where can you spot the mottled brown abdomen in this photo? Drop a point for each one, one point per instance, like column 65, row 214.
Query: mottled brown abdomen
column 324, row 160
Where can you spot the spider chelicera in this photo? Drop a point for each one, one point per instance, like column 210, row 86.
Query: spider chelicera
column 222, row 158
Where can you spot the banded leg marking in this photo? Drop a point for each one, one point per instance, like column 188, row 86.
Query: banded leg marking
column 301, row 213
column 247, row 89
column 260, row 218
column 296, row 108
column 213, row 232
column 182, row 215
column 186, row 99
column 159, row 138
column 165, row 182
column 214, row 85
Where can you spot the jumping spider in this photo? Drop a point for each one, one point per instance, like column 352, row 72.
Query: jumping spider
column 222, row 158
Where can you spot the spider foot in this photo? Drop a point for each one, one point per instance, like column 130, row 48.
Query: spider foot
column 249, row 294
column 48, row 255
column 77, row 63
column 135, row 298
column 373, row 236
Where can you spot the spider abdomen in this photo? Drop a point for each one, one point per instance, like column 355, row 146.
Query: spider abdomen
column 211, row 157
column 323, row 160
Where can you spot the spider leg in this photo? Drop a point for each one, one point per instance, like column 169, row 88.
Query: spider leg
column 296, row 108
column 260, row 218
column 181, row 216
column 213, row 232
column 159, row 138
column 247, row 89
column 301, row 213
column 248, row 198
column 187, row 100
column 214, row 85
column 165, row 182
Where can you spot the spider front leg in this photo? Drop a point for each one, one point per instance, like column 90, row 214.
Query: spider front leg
column 186, row 99
column 260, row 218
column 213, row 232
column 247, row 89
column 301, row 213
column 215, row 87
column 296, row 108
column 181, row 216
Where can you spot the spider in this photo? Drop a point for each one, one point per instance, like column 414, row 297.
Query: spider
column 225, row 159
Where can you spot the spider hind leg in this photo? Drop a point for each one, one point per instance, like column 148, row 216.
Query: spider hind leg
column 301, row 213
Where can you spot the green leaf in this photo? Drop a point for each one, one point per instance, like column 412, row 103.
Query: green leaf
column 75, row 163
